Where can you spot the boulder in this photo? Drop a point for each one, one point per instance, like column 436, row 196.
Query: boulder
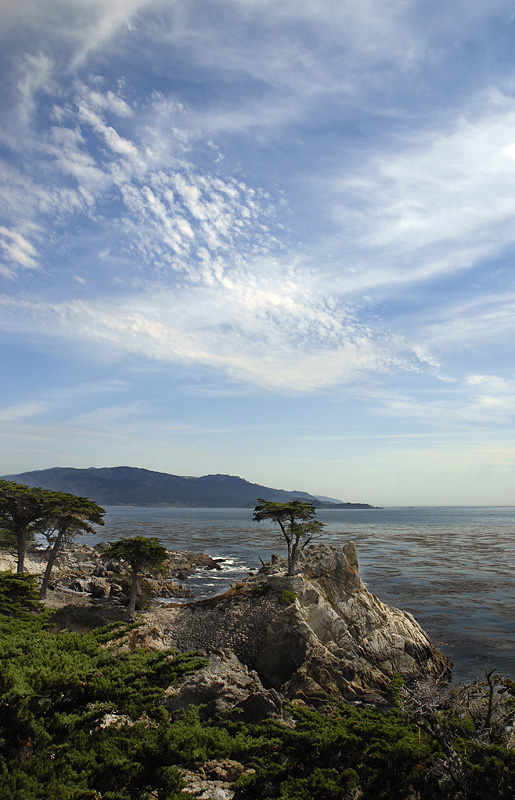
column 98, row 588
column 147, row 637
column 226, row 686
column 78, row 585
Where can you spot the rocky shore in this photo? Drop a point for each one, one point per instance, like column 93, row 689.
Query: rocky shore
column 321, row 632
column 79, row 570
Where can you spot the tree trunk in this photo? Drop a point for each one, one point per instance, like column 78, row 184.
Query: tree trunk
column 291, row 559
column 50, row 563
column 21, row 540
column 131, row 608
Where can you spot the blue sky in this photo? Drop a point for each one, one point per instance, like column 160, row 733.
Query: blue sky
column 270, row 239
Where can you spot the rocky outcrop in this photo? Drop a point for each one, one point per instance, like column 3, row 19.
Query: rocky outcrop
column 319, row 633
column 338, row 638
column 79, row 568
column 213, row 780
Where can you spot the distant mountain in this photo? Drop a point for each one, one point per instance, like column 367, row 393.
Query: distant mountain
column 112, row 486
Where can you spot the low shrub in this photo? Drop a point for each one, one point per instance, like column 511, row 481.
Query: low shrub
column 286, row 597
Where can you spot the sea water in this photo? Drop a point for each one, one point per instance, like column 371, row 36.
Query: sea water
column 452, row 568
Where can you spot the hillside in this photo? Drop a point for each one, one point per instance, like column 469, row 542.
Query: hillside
column 143, row 487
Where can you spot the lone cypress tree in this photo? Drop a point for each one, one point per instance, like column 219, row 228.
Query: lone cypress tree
column 296, row 520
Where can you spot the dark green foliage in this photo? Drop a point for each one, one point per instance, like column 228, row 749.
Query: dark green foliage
column 59, row 516
column 329, row 753
column 139, row 554
column 66, row 515
column 17, row 595
column 55, row 692
column 81, row 718
column 21, row 516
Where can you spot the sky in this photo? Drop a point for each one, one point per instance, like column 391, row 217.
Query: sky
column 264, row 238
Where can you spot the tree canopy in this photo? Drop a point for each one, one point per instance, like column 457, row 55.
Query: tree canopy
column 25, row 511
column 22, row 515
column 140, row 554
column 64, row 516
column 296, row 520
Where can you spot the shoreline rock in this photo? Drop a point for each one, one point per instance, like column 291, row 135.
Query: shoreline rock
column 80, row 570
column 320, row 633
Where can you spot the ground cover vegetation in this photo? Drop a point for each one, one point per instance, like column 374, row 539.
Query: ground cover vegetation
column 82, row 717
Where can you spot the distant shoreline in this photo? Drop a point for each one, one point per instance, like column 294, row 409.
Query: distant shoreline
column 324, row 507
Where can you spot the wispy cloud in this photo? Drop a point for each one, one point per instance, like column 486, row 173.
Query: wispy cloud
column 302, row 203
column 437, row 202
column 23, row 411
column 475, row 403
column 76, row 30
column 18, row 252
column 281, row 346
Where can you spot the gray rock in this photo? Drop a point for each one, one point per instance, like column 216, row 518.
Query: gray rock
column 78, row 585
column 226, row 686
column 338, row 638
column 114, row 566
column 98, row 588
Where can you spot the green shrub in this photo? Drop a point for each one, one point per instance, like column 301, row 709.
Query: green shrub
column 286, row 597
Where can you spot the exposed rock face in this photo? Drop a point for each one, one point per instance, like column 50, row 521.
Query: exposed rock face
column 226, row 686
column 333, row 636
column 338, row 638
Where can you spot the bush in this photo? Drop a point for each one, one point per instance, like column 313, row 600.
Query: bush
column 286, row 597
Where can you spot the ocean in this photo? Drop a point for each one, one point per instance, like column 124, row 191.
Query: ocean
column 453, row 568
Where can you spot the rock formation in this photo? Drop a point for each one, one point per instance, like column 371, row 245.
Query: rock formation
column 337, row 638
column 226, row 686
column 80, row 569
column 320, row 633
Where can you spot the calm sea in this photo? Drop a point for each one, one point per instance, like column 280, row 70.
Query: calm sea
column 452, row 568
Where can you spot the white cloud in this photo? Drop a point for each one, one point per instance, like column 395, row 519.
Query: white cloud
column 35, row 76
column 83, row 27
column 18, row 252
column 25, row 410
column 474, row 403
column 487, row 320
column 273, row 335
column 436, row 202
column 110, row 102
column 109, row 416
